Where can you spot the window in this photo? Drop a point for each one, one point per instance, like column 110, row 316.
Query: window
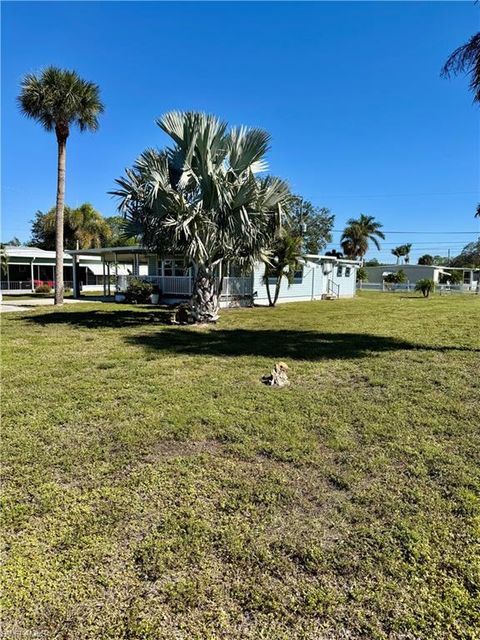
column 167, row 268
column 347, row 272
column 298, row 275
column 339, row 271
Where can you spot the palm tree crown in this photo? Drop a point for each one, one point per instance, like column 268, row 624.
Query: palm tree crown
column 358, row 233
column 58, row 99
column 466, row 59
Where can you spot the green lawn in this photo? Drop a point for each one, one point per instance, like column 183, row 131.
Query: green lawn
column 155, row 489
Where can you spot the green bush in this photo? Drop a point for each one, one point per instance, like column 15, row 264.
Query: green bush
column 138, row 292
column 362, row 275
column 425, row 286
column 43, row 288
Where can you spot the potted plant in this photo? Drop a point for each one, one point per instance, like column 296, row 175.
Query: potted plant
column 155, row 296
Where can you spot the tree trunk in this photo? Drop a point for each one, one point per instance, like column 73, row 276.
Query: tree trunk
column 204, row 297
column 277, row 290
column 60, row 205
column 267, row 285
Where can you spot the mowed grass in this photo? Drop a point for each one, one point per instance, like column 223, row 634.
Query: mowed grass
column 154, row 489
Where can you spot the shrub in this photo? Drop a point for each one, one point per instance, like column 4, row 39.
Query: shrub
column 138, row 291
column 43, row 288
column 362, row 275
column 425, row 286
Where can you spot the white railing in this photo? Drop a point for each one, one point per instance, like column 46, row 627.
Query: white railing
column 169, row 285
column 237, row 287
column 16, row 285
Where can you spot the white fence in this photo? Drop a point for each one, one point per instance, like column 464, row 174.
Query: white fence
column 410, row 286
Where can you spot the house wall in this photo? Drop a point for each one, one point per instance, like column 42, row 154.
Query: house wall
column 413, row 272
column 311, row 286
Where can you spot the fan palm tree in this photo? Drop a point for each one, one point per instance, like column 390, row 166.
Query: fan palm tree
column 201, row 198
column 59, row 99
column 466, row 59
column 283, row 261
column 358, row 233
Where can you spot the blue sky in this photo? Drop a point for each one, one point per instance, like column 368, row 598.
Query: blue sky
column 360, row 119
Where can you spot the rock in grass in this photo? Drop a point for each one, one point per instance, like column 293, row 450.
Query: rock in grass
column 278, row 377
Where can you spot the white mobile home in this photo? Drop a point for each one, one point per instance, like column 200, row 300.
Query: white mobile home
column 414, row 272
column 320, row 277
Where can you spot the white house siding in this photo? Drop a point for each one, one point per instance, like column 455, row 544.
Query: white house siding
column 309, row 287
column 344, row 276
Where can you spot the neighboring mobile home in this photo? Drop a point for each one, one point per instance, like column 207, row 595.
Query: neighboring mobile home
column 29, row 267
column 320, row 277
column 415, row 272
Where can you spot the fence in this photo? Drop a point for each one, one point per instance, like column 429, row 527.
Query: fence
column 410, row 286
column 26, row 285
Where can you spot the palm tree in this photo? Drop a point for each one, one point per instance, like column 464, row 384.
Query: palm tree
column 201, row 198
column 406, row 252
column 59, row 99
column 284, row 260
column 90, row 228
column 477, row 212
column 358, row 233
column 397, row 252
column 466, row 59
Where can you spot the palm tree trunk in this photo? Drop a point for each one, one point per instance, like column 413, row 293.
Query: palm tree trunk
column 204, row 297
column 267, row 286
column 277, row 290
column 62, row 155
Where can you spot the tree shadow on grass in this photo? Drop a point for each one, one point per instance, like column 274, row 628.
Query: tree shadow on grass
column 270, row 343
column 99, row 318
column 278, row 344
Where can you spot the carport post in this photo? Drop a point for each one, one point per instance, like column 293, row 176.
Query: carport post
column 104, row 282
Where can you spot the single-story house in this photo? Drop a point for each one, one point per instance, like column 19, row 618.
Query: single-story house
column 414, row 272
column 320, row 277
column 29, row 267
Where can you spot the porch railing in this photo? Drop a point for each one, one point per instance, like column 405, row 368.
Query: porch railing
column 182, row 285
column 26, row 285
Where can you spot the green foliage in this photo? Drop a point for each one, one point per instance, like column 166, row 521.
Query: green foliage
column 83, row 225
column 313, row 224
column 362, row 275
column 283, row 261
column 43, row 288
column 399, row 277
column 58, row 99
column 425, row 285
column 3, row 259
column 202, row 198
column 372, row 263
column 119, row 232
column 357, row 235
column 186, row 500
column 402, row 251
column 469, row 257
column 426, row 259
column 138, row 291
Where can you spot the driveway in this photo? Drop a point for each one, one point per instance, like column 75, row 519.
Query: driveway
column 27, row 304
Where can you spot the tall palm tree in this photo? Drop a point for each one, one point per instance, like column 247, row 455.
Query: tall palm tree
column 59, row 99
column 466, row 59
column 358, row 233
column 285, row 258
column 201, row 198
